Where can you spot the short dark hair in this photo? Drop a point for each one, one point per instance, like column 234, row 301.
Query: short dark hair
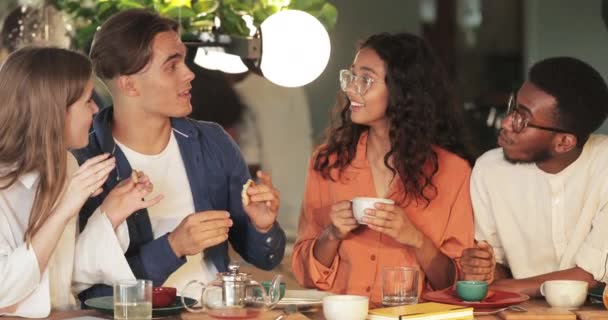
column 580, row 91
column 123, row 44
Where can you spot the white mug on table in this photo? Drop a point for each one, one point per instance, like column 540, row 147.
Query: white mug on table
column 564, row 293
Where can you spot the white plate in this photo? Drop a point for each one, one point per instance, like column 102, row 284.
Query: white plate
column 302, row 298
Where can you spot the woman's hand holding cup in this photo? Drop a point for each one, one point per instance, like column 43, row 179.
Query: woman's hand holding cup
column 342, row 220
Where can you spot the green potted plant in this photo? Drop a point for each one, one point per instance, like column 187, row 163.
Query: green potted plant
column 195, row 16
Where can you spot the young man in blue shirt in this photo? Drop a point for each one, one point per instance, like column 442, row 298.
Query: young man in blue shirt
column 193, row 164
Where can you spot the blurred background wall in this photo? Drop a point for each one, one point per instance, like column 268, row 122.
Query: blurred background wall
column 357, row 19
column 571, row 28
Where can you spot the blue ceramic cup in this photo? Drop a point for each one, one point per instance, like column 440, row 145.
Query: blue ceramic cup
column 471, row 290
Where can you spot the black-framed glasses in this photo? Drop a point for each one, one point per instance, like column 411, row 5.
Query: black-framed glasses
column 520, row 120
column 361, row 83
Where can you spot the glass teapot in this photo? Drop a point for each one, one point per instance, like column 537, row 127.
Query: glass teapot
column 235, row 295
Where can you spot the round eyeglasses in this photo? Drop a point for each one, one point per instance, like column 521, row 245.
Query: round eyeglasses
column 361, row 83
column 521, row 120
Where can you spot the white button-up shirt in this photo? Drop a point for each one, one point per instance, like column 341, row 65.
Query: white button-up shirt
column 95, row 257
column 539, row 222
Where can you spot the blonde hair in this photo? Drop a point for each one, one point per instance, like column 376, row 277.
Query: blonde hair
column 37, row 85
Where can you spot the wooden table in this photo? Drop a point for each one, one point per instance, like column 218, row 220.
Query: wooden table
column 537, row 309
column 270, row 315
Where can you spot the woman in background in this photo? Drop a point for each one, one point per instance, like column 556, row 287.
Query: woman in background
column 46, row 110
column 399, row 137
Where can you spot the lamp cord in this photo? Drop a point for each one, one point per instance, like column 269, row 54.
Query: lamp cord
column 220, row 14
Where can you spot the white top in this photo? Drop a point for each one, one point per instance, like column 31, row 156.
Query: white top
column 539, row 222
column 168, row 175
column 276, row 133
column 24, row 291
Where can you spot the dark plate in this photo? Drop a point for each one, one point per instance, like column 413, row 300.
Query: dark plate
column 106, row 305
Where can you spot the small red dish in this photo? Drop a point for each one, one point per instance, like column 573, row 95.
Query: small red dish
column 494, row 299
column 163, row 296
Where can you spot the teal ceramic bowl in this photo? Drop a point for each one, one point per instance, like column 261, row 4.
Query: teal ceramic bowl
column 266, row 285
column 471, row 290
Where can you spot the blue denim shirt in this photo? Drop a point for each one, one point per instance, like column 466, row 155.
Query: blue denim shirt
column 216, row 172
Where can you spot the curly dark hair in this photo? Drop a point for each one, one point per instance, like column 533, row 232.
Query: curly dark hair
column 421, row 113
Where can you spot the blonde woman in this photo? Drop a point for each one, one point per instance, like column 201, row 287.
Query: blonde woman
column 46, row 110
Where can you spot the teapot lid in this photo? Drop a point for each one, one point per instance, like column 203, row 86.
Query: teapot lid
column 233, row 274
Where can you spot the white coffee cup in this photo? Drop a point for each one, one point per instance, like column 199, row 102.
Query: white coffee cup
column 349, row 307
column 564, row 293
column 360, row 204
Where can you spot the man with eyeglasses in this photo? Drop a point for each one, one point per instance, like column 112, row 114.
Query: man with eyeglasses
column 541, row 200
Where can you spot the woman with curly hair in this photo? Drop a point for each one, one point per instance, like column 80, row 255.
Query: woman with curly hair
column 398, row 136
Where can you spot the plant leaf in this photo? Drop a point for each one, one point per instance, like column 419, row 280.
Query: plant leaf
column 85, row 35
column 328, row 16
column 233, row 23
column 246, row 6
column 203, row 23
column 307, row 5
column 180, row 3
column 202, row 7
column 129, row 4
column 261, row 13
column 178, row 12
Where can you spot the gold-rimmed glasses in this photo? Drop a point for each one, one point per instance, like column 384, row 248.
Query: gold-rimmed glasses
column 520, row 120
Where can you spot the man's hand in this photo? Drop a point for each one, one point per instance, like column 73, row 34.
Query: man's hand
column 199, row 231
column 478, row 263
column 263, row 207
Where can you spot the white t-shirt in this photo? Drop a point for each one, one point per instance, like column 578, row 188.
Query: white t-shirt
column 167, row 172
column 539, row 222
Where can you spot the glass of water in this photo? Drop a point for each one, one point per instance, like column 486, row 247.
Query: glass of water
column 133, row 299
column 399, row 286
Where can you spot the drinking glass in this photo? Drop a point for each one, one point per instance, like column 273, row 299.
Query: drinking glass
column 133, row 299
column 399, row 286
